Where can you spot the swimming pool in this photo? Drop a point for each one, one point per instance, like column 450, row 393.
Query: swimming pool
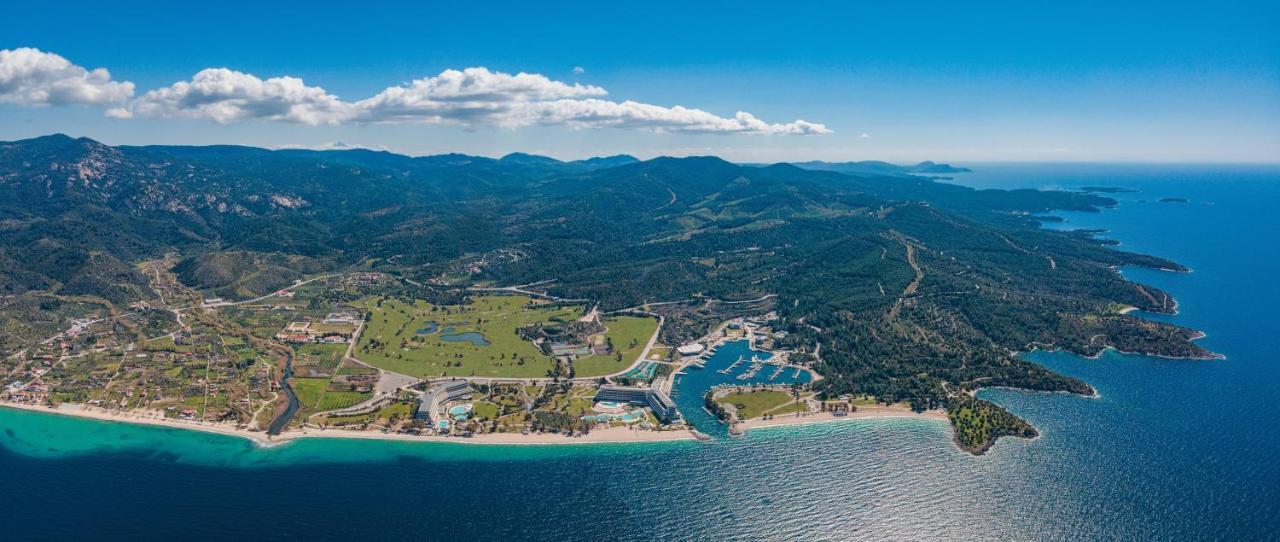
column 460, row 412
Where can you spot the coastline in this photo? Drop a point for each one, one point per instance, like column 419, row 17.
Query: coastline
column 611, row 435
column 863, row 413
column 1032, row 347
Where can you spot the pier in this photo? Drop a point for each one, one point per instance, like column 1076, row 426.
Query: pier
column 730, row 368
column 756, row 365
column 778, row 372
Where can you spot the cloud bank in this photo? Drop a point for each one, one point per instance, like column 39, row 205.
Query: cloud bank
column 470, row 98
column 226, row 96
column 35, row 78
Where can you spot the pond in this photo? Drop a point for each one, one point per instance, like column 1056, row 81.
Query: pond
column 472, row 337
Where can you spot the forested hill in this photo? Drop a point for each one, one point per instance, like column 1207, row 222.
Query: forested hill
column 915, row 289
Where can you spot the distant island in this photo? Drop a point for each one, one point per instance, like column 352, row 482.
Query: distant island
column 294, row 293
column 1107, row 189
column 878, row 168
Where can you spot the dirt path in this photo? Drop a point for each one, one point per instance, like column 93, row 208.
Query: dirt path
column 914, row 285
column 669, row 191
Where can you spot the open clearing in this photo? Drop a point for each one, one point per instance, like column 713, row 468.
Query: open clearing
column 753, row 404
column 629, row 335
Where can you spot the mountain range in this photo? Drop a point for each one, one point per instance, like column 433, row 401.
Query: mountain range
column 916, row 290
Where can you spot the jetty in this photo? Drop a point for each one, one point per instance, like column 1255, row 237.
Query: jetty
column 778, row 372
column 756, row 365
column 730, row 368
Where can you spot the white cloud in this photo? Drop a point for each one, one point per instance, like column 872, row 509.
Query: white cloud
column 593, row 113
column 225, row 96
column 477, row 96
column 32, row 77
column 864, row 135
column 471, row 98
column 579, row 70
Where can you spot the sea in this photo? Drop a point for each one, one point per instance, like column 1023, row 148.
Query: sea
column 1170, row 450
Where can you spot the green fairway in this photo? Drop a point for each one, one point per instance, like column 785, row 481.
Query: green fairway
column 629, row 335
column 393, row 340
column 753, row 404
column 413, row 339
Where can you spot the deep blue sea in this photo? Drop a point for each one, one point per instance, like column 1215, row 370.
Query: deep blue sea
column 1171, row 449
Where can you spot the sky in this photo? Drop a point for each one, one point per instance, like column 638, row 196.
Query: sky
column 751, row 82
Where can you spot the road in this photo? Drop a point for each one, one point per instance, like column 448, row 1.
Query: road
column 522, row 289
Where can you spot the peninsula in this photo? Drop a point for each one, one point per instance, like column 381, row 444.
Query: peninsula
column 287, row 294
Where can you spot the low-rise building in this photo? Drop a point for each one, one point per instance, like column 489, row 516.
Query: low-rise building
column 691, row 349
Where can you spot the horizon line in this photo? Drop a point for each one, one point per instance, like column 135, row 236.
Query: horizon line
column 346, row 148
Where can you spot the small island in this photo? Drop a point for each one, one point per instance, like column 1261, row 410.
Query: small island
column 1107, row 189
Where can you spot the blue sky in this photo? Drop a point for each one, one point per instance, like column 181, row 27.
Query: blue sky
column 904, row 82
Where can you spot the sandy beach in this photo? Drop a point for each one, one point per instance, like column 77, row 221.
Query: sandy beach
column 598, row 436
column 863, row 413
column 610, row 435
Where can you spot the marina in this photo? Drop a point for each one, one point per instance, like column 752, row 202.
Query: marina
column 725, row 369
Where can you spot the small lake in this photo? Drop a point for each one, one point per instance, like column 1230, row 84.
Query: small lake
column 428, row 328
column 472, row 337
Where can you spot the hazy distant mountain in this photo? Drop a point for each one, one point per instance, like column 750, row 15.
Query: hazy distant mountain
column 529, row 159
column 589, row 163
column 875, row 167
column 608, row 161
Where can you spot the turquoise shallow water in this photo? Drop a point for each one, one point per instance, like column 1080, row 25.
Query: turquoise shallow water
column 1171, row 449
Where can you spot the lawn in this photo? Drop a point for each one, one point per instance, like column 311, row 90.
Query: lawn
column 309, row 391
column 392, row 340
column 789, row 409
column 629, row 335
column 753, row 404
column 485, row 410
column 575, row 402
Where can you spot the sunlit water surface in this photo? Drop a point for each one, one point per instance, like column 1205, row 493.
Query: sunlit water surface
column 1171, row 450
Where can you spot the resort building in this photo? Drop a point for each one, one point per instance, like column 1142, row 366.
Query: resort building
column 336, row 328
column 662, row 406
column 439, row 394
column 691, row 349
